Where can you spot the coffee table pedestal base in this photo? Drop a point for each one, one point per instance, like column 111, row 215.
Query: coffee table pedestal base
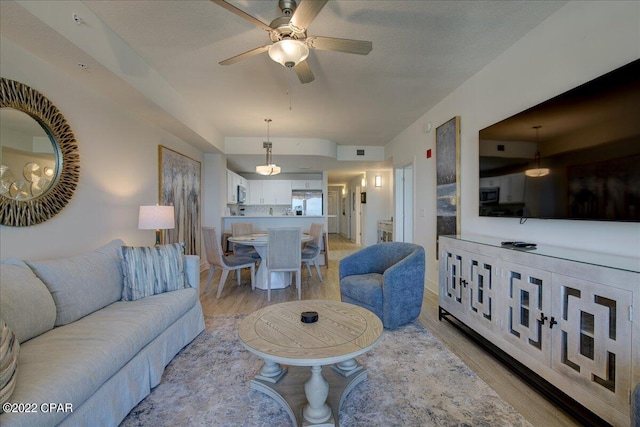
column 289, row 391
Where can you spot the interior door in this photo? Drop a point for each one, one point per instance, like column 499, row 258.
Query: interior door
column 332, row 207
column 403, row 224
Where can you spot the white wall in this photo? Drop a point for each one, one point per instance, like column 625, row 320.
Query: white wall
column 214, row 193
column 345, row 219
column 379, row 205
column 578, row 43
column 118, row 166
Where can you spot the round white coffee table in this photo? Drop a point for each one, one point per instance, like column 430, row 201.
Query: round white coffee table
column 342, row 332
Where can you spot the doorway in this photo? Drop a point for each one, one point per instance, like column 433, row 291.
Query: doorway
column 403, row 225
column 332, row 208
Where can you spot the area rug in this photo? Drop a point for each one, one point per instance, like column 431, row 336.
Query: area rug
column 413, row 380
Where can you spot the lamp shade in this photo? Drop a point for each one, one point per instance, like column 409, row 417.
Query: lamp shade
column 270, row 169
column 288, row 52
column 156, row 218
column 537, row 172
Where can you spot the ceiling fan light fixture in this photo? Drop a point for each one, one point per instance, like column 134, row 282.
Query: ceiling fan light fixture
column 288, row 52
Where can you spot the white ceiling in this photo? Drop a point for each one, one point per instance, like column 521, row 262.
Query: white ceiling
column 422, row 50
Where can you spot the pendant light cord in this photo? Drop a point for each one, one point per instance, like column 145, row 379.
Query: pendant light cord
column 268, row 159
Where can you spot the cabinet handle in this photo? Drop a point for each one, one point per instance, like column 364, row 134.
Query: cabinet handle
column 552, row 322
column 543, row 318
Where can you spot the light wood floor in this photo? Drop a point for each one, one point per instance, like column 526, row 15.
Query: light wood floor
column 240, row 299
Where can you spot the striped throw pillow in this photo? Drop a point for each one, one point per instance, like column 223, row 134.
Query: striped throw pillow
column 151, row 270
column 9, row 348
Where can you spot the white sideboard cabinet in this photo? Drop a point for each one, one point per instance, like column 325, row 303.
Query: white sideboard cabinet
column 566, row 315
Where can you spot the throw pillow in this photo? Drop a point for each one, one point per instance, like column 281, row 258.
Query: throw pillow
column 151, row 270
column 25, row 302
column 82, row 284
column 9, row 348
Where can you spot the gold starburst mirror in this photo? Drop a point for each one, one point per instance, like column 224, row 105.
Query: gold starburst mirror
column 40, row 164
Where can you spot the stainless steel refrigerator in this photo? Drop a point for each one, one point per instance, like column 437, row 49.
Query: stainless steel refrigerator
column 306, row 202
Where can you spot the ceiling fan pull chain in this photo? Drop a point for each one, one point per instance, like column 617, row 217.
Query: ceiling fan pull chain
column 289, row 90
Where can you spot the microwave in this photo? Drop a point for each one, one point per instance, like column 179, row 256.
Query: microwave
column 489, row 195
column 242, row 194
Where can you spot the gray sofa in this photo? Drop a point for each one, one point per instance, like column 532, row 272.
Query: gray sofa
column 387, row 279
column 81, row 345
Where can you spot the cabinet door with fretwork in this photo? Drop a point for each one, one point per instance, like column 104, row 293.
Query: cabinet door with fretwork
column 592, row 340
column 451, row 282
column 468, row 287
column 481, row 276
column 526, row 296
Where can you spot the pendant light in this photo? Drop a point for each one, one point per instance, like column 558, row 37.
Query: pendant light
column 537, row 172
column 268, row 168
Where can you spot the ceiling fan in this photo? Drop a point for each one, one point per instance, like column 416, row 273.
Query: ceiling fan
column 288, row 33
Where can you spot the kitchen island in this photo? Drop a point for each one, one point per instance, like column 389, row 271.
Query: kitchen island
column 262, row 223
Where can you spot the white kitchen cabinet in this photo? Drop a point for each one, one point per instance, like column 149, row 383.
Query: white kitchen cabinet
column 233, row 181
column 312, row 184
column 278, row 191
column 232, row 187
column 490, row 182
column 255, row 192
column 566, row 315
column 512, row 188
column 269, row 192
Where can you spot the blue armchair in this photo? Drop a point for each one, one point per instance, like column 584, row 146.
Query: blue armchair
column 388, row 279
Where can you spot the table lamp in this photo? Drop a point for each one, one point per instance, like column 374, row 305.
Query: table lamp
column 156, row 218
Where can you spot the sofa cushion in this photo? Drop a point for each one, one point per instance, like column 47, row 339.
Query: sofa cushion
column 82, row 284
column 363, row 287
column 151, row 270
column 25, row 302
column 88, row 352
column 9, row 348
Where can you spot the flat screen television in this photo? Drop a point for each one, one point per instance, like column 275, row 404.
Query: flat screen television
column 575, row 156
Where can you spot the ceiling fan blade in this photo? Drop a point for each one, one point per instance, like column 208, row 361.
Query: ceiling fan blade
column 359, row 47
column 304, row 72
column 242, row 14
column 245, row 55
column 306, row 11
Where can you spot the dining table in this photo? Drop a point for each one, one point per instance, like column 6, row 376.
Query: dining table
column 279, row 279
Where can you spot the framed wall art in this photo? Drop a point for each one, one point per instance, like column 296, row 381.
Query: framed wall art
column 448, row 178
column 180, row 187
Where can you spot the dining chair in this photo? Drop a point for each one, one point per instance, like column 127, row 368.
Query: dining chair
column 226, row 263
column 243, row 229
column 284, row 255
column 311, row 251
